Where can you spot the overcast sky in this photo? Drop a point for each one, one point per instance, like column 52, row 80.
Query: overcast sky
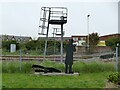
column 22, row 18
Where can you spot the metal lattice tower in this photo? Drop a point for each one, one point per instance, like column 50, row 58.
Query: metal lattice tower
column 53, row 16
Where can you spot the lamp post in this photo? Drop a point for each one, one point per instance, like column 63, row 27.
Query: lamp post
column 88, row 31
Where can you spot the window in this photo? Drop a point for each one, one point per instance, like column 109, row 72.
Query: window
column 75, row 39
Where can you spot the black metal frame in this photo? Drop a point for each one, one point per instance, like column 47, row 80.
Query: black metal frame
column 56, row 16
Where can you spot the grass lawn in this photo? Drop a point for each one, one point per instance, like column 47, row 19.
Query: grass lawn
column 92, row 75
column 85, row 80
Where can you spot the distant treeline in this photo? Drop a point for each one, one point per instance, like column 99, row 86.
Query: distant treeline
column 35, row 45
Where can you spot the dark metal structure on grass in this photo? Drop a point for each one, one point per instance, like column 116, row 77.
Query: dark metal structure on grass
column 52, row 16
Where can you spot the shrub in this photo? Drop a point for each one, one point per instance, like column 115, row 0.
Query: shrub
column 107, row 56
column 114, row 77
column 6, row 45
column 112, row 42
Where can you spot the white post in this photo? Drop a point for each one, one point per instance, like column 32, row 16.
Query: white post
column 88, row 30
column 117, row 57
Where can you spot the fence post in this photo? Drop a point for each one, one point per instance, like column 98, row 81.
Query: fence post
column 117, row 56
column 20, row 59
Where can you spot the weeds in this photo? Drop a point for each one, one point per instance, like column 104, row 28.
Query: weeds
column 81, row 67
column 14, row 67
column 93, row 67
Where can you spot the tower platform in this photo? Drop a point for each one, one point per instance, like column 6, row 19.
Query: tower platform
column 58, row 22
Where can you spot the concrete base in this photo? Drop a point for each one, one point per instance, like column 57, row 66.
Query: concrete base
column 57, row 74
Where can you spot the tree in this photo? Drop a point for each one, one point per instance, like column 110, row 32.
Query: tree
column 39, row 46
column 6, row 44
column 112, row 42
column 31, row 45
column 93, row 41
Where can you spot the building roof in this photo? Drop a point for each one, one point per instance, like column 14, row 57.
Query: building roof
column 18, row 38
column 106, row 37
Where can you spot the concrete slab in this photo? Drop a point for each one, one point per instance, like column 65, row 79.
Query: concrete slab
column 57, row 74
